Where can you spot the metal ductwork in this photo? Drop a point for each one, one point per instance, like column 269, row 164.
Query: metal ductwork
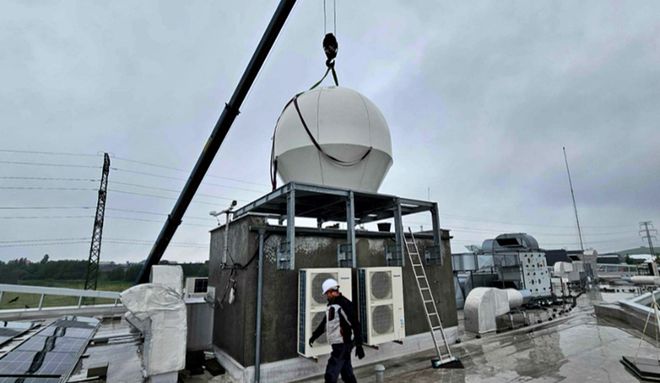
column 508, row 242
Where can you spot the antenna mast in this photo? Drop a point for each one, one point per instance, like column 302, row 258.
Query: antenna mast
column 648, row 233
column 570, row 183
column 95, row 248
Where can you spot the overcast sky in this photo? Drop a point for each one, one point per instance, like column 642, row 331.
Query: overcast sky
column 480, row 97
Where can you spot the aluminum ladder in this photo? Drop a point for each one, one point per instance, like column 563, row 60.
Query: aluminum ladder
column 432, row 315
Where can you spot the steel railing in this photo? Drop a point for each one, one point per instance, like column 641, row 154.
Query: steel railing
column 43, row 291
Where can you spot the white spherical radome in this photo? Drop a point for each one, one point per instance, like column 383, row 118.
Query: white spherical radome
column 351, row 131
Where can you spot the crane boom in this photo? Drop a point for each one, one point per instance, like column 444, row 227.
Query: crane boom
column 218, row 134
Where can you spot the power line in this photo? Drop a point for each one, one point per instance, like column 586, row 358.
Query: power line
column 158, row 214
column 46, row 244
column 44, row 240
column 86, row 239
column 54, row 188
column 168, row 198
column 150, row 174
column 503, row 230
column 48, row 164
column 49, row 217
column 153, row 220
column 166, row 189
column 52, row 179
column 50, row 153
column 484, row 230
column 110, row 217
column 44, row 207
column 184, row 171
column 109, row 241
column 58, row 188
column 200, row 218
column 32, row 163
column 476, row 219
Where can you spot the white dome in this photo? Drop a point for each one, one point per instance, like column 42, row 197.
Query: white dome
column 352, row 132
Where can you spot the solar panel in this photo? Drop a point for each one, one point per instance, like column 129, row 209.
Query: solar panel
column 52, row 344
column 53, row 364
column 10, row 330
column 33, row 379
column 68, row 332
column 51, row 354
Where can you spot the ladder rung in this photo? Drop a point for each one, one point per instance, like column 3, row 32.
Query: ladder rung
column 428, row 301
column 420, row 276
column 417, row 264
column 424, row 288
column 436, row 328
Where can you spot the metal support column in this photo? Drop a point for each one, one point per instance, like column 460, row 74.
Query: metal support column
column 291, row 229
column 399, row 232
column 350, row 227
column 260, row 287
column 437, row 240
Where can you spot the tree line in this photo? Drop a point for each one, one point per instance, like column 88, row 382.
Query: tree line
column 22, row 270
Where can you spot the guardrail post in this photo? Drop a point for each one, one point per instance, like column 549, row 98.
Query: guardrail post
column 116, row 300
column 1, row 295
column 80, row 301
column 41, row 301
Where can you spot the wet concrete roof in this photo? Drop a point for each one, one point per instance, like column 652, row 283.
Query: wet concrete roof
column 574, row 348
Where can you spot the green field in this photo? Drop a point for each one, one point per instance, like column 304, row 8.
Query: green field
column 32, row 300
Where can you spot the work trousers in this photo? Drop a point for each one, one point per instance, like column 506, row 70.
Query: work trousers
column 340, row 364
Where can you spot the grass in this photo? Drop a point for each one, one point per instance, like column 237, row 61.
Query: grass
column 9, row 300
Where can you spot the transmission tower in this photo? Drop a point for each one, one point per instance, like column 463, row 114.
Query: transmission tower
column 648, row 232
column 97, row 233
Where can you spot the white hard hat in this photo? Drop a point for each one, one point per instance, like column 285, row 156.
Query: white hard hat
column 329, row 284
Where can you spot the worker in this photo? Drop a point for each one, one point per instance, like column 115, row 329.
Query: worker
column 343, row 331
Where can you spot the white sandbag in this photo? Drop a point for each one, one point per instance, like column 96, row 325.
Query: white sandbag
column 168, row 275
column 162, row 311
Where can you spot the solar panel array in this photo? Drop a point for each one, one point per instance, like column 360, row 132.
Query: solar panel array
column 10, row 330
column 51, row 354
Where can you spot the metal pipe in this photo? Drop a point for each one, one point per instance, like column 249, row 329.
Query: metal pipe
column 220, row 130
column 379, row 369
column 226, row 247
column 260, row 286
column 350, row 227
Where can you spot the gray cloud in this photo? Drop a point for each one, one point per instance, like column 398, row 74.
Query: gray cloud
column 480, row 98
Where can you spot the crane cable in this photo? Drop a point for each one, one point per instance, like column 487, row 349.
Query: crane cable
column 331, row 48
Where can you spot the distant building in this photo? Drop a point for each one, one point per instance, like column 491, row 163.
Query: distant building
column 611, row 259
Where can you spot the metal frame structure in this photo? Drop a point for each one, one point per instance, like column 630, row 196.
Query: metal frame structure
column 331, row 204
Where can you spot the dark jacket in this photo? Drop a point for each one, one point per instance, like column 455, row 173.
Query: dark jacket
column 349, row 325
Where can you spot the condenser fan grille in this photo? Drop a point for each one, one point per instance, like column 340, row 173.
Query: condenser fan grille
column 382, row 319
column 316, row 319
column 317, row 282
column 381, row 285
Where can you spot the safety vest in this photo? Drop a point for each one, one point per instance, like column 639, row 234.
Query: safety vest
column 333, row 316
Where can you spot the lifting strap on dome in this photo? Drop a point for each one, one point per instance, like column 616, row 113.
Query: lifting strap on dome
column 318, row 146
column 273, row 159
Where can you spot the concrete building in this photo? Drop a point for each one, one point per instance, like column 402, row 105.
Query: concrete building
column 235, row 324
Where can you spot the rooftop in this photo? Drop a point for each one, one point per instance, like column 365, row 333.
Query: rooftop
column 574, row 348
